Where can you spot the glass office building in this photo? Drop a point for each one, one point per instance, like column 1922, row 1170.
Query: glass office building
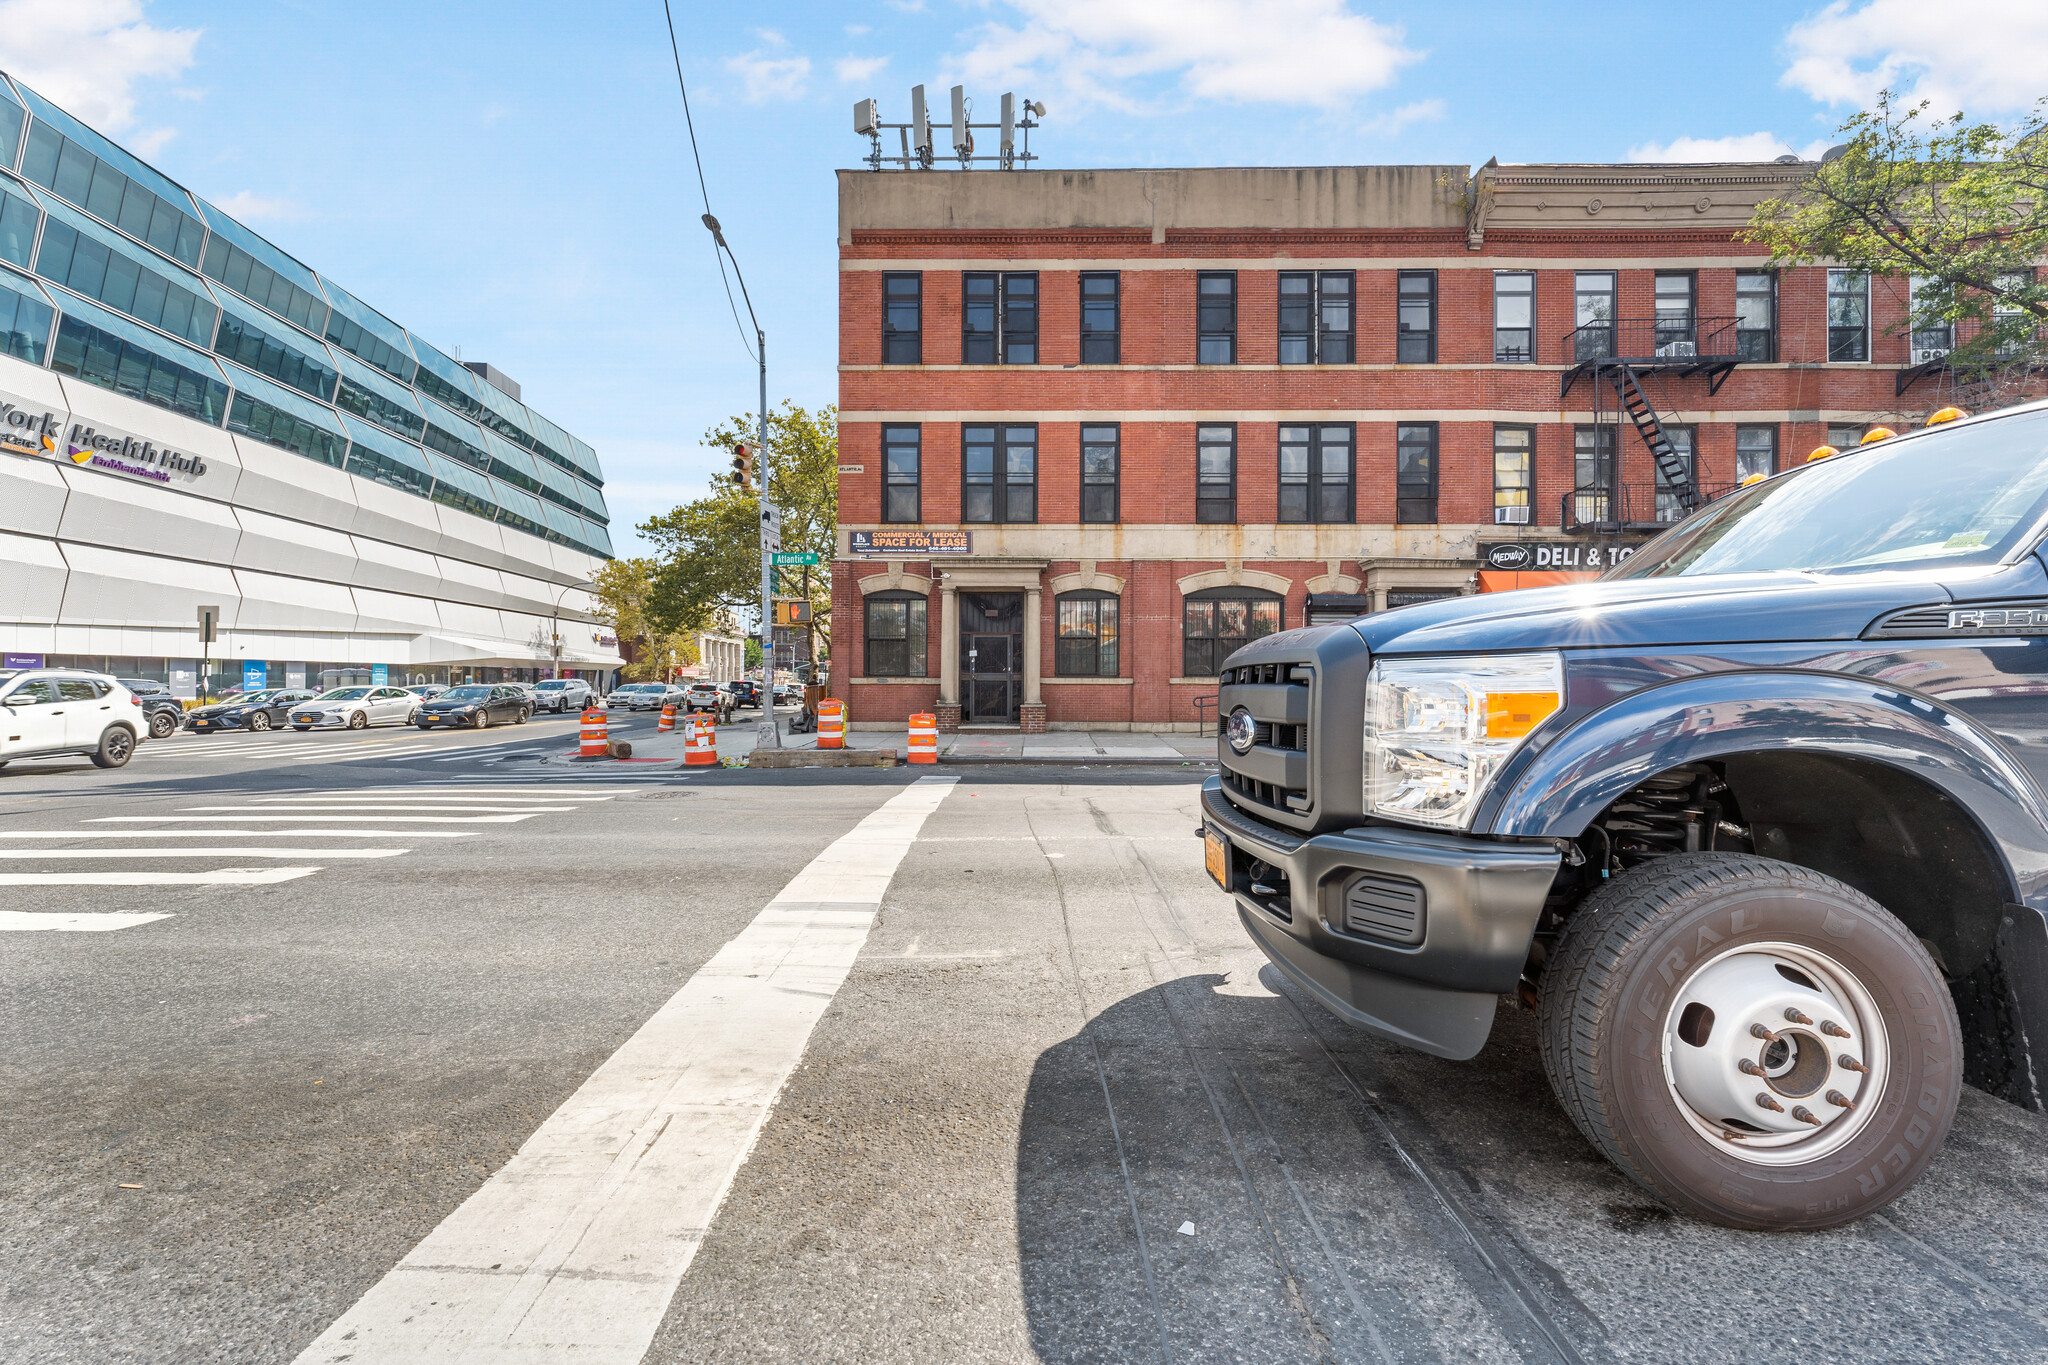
column 190, row 417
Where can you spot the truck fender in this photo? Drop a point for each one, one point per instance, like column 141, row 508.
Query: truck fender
column 1565, row 785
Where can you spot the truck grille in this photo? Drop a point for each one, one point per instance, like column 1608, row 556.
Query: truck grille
column 1274, row 773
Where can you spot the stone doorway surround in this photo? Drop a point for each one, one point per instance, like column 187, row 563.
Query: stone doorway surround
column 1439, row 575
column 974, row 573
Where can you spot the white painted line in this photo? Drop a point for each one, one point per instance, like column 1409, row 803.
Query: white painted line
column 42, row 854
column 237, row 833
column 353, row 819
column 454, row 806
column 25, row 921
column 574, row 1248
column 226, row 876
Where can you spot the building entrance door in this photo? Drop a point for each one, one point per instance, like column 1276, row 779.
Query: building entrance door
column 991, row 656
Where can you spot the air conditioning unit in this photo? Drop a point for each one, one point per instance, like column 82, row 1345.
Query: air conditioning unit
column 1678, row 348
column 1922, row 356
column 1511, row 516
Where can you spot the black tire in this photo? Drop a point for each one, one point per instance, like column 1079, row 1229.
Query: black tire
column 359, row 720
column 1612, row 984
column 483, row 718
column 414, row 718
column 302, row 728
column 163, row 725
column 117, row 746
column 525, row 714
column 259, row 721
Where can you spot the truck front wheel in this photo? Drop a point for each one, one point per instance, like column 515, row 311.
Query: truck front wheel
column 1755, row 1043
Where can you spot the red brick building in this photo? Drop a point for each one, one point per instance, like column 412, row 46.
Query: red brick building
column 1099, row 427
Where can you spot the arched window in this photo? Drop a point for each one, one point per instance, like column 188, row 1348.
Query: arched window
column 1218, row 621
column 1086, row 630
column 895, row 635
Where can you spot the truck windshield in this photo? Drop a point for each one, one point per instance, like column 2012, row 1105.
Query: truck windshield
column 1961, row 497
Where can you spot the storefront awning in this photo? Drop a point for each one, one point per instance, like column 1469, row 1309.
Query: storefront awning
column 1506, row 580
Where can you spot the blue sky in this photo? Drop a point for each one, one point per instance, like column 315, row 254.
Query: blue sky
column 513, row 178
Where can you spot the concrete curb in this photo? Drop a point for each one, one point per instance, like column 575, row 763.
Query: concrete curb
column 1097, row 760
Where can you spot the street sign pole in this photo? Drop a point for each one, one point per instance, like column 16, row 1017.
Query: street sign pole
column 770, row 733
column 209, row 618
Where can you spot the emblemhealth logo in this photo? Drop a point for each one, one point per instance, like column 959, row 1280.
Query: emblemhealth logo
column 131, row 455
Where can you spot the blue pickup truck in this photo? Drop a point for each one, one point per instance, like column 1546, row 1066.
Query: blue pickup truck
column 1754, row 823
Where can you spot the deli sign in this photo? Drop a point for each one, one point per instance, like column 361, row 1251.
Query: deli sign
column 1516, row 555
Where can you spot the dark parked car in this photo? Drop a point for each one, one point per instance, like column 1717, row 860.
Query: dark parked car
column 249, row 711
column 1754, row 824
column 428, row 691
column 745, row 692
column 477, row 704
column 165, row 712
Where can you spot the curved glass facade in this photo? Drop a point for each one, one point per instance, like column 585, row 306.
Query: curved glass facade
column 159, row 295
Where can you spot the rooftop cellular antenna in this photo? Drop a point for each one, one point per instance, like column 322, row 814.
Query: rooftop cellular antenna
column 915, row 137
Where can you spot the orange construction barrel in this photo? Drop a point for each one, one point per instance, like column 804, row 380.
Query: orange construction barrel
column 831, row 724
column 700, row 741
column 596, row 734
column 924, row 738
column 668, row 719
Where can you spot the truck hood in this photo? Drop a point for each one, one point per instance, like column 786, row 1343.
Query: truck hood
column 1714, row 609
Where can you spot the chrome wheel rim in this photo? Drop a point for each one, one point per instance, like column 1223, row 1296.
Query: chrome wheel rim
column 1775, row 1053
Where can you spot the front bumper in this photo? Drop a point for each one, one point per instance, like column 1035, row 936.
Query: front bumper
column 215, row 723
column 1475, row 905
column 321, row 721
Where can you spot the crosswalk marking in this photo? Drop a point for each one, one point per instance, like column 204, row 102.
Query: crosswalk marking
column 47, row 854
column 235, row 833
column 223, row 876
column 352, row 819
column 472, row 807
column 25, row 921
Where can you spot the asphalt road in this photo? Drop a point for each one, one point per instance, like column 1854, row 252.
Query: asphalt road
column 1043, row 1104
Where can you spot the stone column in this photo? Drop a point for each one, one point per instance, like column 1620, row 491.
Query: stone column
column 948, row 708
column 1031, row 712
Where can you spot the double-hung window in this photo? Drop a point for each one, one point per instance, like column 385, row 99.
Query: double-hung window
column 1216, row 317
column 999, row 318
column 902, row 462
column 1756, row 452
column 999, row 474
column 1415, row 317
column 895, row 635
column 1100, row 332
column 1592, row 472
column 1217, row 623
column 1514, row 316
column 1593, row 314
column 1673, row 484
column 1216, row 474
column 1514, row 474
column 1848, row 315
column 1316, row 317
column 1934, row 339
column 1674, row 304
column 2005, row 317
column 1085, row 633
column 1315, row 474
column 902, row 319
column 1100, row 464
column 1756, row 316
column 1415, row 473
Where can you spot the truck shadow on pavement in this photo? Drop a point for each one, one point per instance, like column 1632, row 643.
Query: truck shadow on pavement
column 1215, row 1169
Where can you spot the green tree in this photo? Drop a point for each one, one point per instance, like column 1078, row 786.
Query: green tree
column 708, row 551
column 1960, row 209
column 619, row 591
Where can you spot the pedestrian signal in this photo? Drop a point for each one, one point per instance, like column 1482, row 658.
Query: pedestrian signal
column 792, row 613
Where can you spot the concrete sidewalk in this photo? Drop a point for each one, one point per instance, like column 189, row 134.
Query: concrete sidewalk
column 736, row 740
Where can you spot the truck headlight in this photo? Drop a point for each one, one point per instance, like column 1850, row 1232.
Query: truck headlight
column 1437, row 730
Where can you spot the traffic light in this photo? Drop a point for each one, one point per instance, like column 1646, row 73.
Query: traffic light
column 793, row 613
column 743, row 466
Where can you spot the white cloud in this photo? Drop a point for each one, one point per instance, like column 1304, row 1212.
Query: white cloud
column 1737, row 147
column 856, row 30
column 255, row 208
column 1392, row 124
column 769, row 77
column 854, row 70
column 1984, row 56
column 1108, row 53
column 87, row 55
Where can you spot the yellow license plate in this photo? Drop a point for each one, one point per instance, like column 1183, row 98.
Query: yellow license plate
column 1216, row 856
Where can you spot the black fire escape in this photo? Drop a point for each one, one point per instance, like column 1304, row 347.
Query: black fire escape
column 1616, row 357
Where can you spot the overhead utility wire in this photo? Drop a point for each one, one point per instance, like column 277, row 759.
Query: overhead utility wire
column 704, row 189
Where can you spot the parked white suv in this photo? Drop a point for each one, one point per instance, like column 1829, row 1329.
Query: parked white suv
column 562, row 694
column 45, row 712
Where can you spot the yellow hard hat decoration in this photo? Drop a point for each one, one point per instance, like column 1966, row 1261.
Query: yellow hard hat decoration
column 1821, row 453
column 1877, row 434
column 1754, row 478
column 1941, row 415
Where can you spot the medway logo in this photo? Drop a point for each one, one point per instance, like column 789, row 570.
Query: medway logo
column 28, row 432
